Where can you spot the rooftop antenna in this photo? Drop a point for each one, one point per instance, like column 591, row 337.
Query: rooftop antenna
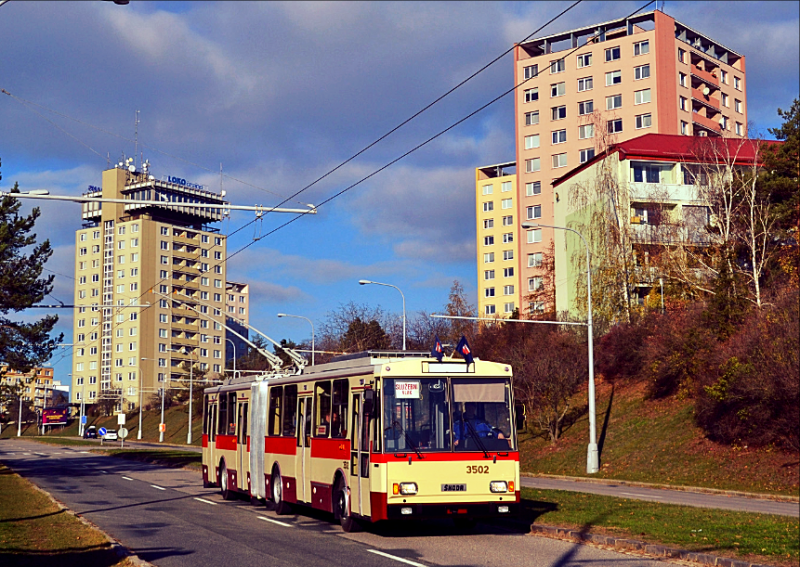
column 221, row 190
column 136, row 138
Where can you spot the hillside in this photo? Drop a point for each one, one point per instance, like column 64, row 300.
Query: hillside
column 656, row 441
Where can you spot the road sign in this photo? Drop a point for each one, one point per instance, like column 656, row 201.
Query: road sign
column 102, row 431
column 122, row 433
column 83, row 420
column 121, row 419
column 162, row 427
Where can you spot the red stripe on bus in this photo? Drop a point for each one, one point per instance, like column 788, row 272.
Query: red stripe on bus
column 330, row 449
column 440, row 457
column 377, row 503
column 226, row 442
column 205, row 440
column 280, row 445
column 248, row 443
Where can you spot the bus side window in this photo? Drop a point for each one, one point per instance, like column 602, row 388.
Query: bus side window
column 341, row 391
column 290, row 415
column 232, row 413
column 222, row 417
column 205, row 415
column 322, row 409
column 275, row 397
column 212, row 422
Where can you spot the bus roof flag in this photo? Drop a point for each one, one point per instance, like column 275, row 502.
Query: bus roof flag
column 463, row 349
column 438, row 351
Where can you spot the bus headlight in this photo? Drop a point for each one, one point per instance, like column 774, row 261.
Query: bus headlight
column 498, row 486
column 408, row 488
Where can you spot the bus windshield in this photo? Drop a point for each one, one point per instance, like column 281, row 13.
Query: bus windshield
column 417, row 414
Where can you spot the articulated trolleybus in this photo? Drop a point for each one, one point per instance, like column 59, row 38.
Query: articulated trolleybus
column 369, row 437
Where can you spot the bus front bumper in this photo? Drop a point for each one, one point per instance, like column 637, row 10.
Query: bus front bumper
column 467, row 510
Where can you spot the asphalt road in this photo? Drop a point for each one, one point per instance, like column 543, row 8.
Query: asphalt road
column 167, row 518
column 666, row 496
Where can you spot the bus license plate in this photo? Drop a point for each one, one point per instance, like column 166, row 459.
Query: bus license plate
column 454, row 488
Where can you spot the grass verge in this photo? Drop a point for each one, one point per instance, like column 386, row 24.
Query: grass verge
column 755, row 537
column 167, row 458
column 35, row 532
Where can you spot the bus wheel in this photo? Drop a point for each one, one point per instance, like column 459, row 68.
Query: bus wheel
column 281, row 506
column 342, row 503
column 227, row 494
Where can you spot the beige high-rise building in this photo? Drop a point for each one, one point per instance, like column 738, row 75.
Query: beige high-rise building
column 590, row 88
column 150, row 288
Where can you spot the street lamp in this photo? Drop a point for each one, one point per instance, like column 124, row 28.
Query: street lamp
column 233, row 346
column 191, row 379
column 592, row 457
column 160, row 425
column 312, row 331
column 366, row 282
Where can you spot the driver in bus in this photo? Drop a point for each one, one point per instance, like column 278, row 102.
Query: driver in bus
column 480, row 426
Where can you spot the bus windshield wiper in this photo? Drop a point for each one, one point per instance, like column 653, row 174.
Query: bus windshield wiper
column 407, row 438
column 477, row 438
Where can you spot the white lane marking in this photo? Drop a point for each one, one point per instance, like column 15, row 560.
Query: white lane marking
column 284, row 524
column 104, row 472
column 155, row 486
column 126, row 478
column 87, row 452
column 206, row 501
column 26, row 454
column 41, row 454
column 641, row 495
column 400, row 559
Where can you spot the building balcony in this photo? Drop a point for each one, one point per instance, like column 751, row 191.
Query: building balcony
column 178, row 342
column 662, row 193
column 711, row 80
column 709, row 101
column 186, row 269
column 706, row 123
column 185, row 284
column 185, row 240
column 185, row 327
column 186, row 255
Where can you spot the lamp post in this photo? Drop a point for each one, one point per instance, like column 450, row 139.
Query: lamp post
column 191, row 380
column 141, row 388
column 312, row 331
column 367, row 282
column 233, row 346
column 592, row 456
column 160, row 425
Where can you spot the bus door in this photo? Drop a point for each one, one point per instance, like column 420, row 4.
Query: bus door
column 242, row 456
column 359, row 457
column 303, row 456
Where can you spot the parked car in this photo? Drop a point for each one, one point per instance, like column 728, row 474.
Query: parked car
column 90, row 433
column 111, row 435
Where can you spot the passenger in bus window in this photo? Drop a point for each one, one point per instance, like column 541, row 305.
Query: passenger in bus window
column 470, row 420
column 232, row 429
column 336, row 425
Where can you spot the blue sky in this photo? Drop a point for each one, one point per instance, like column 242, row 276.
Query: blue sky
column 280, row 93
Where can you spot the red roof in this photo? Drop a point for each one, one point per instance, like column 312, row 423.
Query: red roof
column 672, row 147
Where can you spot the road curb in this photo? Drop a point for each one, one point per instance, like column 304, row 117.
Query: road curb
column 120, row 550
column 639, row 547
column 697, row 489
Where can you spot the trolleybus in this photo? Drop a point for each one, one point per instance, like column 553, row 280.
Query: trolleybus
column 369, row 437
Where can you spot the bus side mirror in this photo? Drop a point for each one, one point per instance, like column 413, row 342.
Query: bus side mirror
column 369, row 402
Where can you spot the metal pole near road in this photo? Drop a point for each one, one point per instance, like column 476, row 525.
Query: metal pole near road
column 592, row 456
column 366, row 282
column 312, row 331
column 233, row 346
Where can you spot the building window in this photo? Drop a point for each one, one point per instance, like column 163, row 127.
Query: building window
column 532, row 95
column 488, row 274
column 506, row 203
column 587, row 154
column 615, row 126
column 641, row 97
column 508, row 237
column 533, row 188
column 508, row 290
column 739, row 129
column 641, row 72
column 682, row 103
column 585, row 84
column 532, row 142
column 488, row 223
column 613, row 102
column 737, row 83
column 559, row 160
column 488, row 206
column 558, row 112
column 535, row 260
column 487, row 189
column 508, row 221
column 737, row 105
column 536, row 306
column 134, row 228
column 488, row 292
column 682, row 79
column 164, row 231
column 644, row 121
column 641, row 48
column 488, row 310
column 723, row 122
column 508, row 272
column 532, row 118
column 724, row 77
column 558, row 89
column 681, row 55
column 121, row 244
column 684, row 128
column 645, row 173
column 557, row 66
column 530, row 71
column 584, row 60
column 534, row 236
column 612, row 53
column 725, row 100
column 505, row 187
column 535, row 212
column 559, row 136
column 533, row 165
column 535, row 283
column 488, row 258
column 585, row 107
column 586, row 131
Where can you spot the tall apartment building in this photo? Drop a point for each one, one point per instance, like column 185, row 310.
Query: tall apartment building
column 129, row 256
column 35, row 385
column 497, row 228
column 237, row 317
column 603, row 84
